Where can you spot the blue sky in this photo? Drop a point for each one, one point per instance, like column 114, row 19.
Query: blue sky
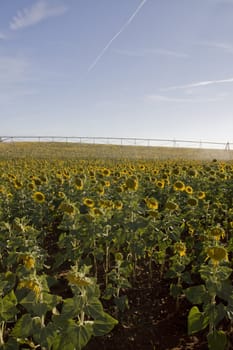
column 117, row 68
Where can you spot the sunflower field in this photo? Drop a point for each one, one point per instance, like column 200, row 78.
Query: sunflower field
column 77, row 235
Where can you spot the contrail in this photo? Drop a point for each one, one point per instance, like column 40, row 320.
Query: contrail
column 198, row 84
column 116, row 35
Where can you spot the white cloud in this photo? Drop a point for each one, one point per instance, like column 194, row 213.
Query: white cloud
column 35, row 14
column 218, row 45
column 165, row 52
column 198, row 84
column 129, row 53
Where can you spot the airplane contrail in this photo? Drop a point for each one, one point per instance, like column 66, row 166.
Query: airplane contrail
column 199, row 84
column 116, row 35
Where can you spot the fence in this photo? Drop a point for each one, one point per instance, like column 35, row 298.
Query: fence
column 124, row 141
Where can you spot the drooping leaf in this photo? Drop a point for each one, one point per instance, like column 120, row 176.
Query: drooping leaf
column 197, row 320
column 104, row 325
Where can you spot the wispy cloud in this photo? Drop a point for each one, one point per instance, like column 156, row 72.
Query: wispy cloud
column 198, row 84
column 35, row 14
column 164, row 52
column 148, row 52
column 218, row 45
column 125, row 25
column 129, row 53
column 163, row 98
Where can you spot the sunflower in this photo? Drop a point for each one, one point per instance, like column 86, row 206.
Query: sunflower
column 100, row 190
column 160, row 183
column 78, row 183
column 192, row 201
column 201, row 195
column 28, row 261
column 189, row 189
column 152, row 203
column 217, row 254
column 118, row 204
column 180, row 248
column 217, row 233
column 32, row 285
column 17, row 184
column 36, row 181
column 67, row 208
column 170, row 205
column 88, row 202
column 38, row 197
column 106, row 172
column 31, row 186
column 192, row 172
column 96, row 212
column 132, row 183
column 179, row 186
column 78, row 279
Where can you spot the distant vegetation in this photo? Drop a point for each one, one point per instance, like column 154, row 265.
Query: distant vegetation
column 62, row 150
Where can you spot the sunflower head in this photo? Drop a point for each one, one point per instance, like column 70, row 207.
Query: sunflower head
column 192, row 202
column 180, row 248
column 88, row 202
column 189, row 189
column 78, row 183
column 179, row 186
column 217, row 233
column 170, row 205
column 132, row 183
column 28, row 261
column 201, row 195
column 152, row 203
column 217, row 254
column 118, row 205
column 38, row 197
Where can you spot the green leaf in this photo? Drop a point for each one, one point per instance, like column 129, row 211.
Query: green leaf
column 104, row 325
column 8, row 308
column 196, row 294
column 197, row 320
column 74, row 336
column 94, row 308
column 217, row 340
column 11, row 344
column 121, row 302
column 72, row 306
column 23, row 327
column 43, row 335
column 175, row 290
column 223, row 272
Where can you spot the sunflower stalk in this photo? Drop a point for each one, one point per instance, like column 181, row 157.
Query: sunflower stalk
column 2, row 328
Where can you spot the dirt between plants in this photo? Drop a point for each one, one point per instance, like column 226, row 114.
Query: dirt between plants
column 152, row 322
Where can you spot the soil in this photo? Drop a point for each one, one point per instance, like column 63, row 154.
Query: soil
column 153, row 321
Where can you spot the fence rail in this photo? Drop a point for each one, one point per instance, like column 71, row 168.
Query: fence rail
column 124, row 141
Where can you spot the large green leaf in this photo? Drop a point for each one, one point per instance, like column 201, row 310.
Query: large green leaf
column 74, row 336
column 197, row 320
column 217, row 340
column 23, row 327
column 104, row 325
column 196, row 294
column 94, row 308
column 72, row 306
